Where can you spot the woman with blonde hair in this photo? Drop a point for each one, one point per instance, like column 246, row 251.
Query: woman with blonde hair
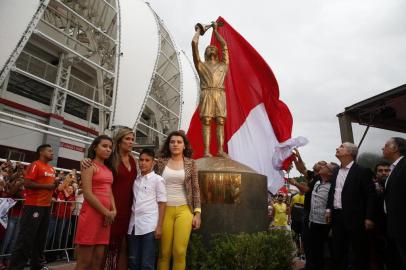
column 124, row 172
column 183, row 210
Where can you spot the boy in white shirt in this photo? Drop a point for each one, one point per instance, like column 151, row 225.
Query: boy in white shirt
column 147, row 215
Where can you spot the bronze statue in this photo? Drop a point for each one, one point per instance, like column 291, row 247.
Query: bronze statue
column 212, row 73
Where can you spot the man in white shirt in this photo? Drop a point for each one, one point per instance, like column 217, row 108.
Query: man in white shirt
column 395, row 202
column 350, row 208
column 148, row 210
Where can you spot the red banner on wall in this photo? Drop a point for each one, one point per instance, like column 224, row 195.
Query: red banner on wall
column 73, row 147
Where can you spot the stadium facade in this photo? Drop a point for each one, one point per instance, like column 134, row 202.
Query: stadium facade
column 73, row 69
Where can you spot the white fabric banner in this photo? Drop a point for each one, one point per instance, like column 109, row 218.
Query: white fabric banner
column 284, row 150
column 5, row 205
column 254, row 144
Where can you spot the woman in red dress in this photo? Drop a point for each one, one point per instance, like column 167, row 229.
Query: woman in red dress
column 125, row 171
column 98, row 211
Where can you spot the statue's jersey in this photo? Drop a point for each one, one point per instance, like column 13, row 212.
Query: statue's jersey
column 212, row 97
column 212, row 78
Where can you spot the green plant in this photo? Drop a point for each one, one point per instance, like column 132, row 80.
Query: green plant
column 196, row 253
column 264, row 250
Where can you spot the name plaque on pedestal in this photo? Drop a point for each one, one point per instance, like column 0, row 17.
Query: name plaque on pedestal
column 234, row 197
column 220, row 187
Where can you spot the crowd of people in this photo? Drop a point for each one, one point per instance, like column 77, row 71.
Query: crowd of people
column 124, row 211
column 348, row 210
column 65, row 206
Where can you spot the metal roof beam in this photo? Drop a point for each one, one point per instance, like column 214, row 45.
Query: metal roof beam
column 44, row 131
column 45, row 125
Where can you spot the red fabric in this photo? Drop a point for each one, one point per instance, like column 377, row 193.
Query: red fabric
column 2, row 232
column 123, row 193
column 41, row 173
column 16, row 210
column 249, row 82
column 122, row 188
column 283, row 190
column 91, row 229
column 287, row 163
column 62, row 207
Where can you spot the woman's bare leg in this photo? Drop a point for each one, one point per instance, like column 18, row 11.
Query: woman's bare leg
column 84, row 257
column 97, row 257
column 123, row 255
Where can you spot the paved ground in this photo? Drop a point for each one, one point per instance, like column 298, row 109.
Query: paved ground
column 298, row 264
column 62, row 266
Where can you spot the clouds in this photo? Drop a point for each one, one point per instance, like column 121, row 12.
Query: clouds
column 326, row 55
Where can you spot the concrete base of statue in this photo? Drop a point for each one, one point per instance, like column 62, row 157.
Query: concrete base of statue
column 234, row 197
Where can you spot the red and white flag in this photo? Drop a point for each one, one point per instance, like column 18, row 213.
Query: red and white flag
column 257, row 120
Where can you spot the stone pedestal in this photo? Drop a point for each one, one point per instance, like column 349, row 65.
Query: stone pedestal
column 234, row 197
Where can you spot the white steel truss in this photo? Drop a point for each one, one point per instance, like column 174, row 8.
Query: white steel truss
column 67, row 49
column 80, row 41
column 87, row 21
column 161, row 110
column 24, row 39
column 62, row 79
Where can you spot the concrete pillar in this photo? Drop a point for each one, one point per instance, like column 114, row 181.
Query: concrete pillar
column 3, row 87
column 54, row 141
column 344, row 121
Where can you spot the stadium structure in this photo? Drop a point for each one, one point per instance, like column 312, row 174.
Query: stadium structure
column 73, row 69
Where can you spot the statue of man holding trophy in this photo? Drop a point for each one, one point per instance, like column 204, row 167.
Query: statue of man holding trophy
column 212, row 72
column 224, row 182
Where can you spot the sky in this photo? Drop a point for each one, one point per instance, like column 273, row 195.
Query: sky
column 326, row 55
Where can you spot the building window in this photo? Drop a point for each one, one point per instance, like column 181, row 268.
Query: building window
column 76, row 107
column 15, row 155
column 95, row 116
column 26, row 87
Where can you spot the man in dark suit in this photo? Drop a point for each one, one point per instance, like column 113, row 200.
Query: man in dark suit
column 395, row 202
column 377, row 239
column 351, row 208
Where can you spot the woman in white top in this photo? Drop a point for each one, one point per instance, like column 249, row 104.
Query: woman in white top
column 183, row 200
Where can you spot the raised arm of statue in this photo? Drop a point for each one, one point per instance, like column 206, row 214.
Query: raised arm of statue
column 195, row 48
column 224, row 48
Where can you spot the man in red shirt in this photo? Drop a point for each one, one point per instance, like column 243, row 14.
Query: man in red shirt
column 39, row 181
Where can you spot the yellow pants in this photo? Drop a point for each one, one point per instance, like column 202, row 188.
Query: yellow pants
column 176, row 230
